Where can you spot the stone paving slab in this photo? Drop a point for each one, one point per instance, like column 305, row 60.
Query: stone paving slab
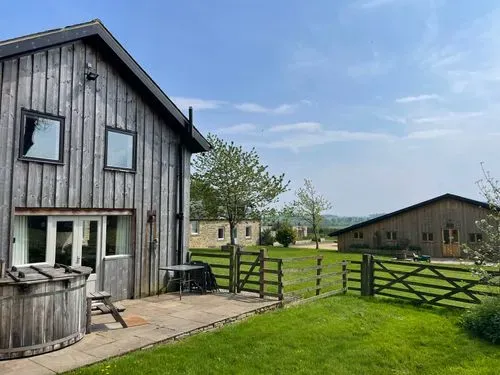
column 166, row 318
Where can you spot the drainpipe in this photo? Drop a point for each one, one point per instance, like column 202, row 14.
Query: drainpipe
column 180, row 214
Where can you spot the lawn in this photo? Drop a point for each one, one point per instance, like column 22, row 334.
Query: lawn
column 337, row 335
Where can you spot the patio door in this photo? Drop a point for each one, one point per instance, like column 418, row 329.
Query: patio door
column 77, row 241
column 451, row 243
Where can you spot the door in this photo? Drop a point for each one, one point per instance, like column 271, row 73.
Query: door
column 451, row 243
column 76, row 241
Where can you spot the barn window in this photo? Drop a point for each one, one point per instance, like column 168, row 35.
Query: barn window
column 358, row 235
column 248, row 231
column 475, row 237
column 42, row 137
column 120, row 149
column 220, row 233
column 195, row 227
column 427, row 236
column 391, row 235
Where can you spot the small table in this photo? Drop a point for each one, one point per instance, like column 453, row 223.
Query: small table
column 183, row 269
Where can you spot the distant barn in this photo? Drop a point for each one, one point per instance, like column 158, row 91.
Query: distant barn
column 436, row 227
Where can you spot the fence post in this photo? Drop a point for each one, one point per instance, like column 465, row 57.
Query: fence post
column 261, row 273
column 280, row 279
column 238, row 270
column 367, row 275
column 344, row 275
column 319, row 260
column 232, row 265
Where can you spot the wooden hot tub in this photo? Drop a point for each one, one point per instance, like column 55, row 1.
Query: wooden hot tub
column 42, row 308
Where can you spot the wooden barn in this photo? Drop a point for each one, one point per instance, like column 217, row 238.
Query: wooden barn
column 435, row 227
column 94, row 160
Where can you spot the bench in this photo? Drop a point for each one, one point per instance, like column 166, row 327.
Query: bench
column 105, row 298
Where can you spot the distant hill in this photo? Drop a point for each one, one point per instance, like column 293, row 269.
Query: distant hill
column 339, row 222
column 345, row 221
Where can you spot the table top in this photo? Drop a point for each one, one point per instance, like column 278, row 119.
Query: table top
column 182, row 267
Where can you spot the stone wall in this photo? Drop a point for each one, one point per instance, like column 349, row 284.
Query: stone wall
column 208, row 233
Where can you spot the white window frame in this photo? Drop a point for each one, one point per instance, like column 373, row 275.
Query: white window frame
column 223, row 234
column 197, row 227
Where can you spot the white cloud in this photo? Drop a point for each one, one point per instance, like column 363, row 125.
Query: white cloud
column 448, row 117
column 300, row 140
column 257, row 108
column 184, row 103
column 304, row 126
column 418, row 98
column 237, row 129
column 433, row 133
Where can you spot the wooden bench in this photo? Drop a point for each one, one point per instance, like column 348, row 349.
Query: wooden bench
column 103, row 297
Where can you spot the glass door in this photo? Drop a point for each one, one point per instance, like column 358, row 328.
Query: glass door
column 76, row 241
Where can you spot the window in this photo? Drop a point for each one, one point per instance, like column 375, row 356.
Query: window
column 358, row 235
column 475, row 237
column 42, row 137
column 30, row 239
column 391, row 236
column 120, row 149
column 195, row 227
column 248, row 231
column 118, row 235
column 427, row 236
column 220, row 234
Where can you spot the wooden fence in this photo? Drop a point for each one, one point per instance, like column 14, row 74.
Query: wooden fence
column 438, row 285
column 308, row 278
column 303, row 278
column 221, row 263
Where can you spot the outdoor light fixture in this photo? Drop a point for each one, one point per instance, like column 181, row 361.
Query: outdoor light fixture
column 89, row 74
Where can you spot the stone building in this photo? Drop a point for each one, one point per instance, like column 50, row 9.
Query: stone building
column 215, row 233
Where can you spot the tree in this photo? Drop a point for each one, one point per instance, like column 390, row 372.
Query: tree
column 488, row 249
column 231, row 183
column 285, row 234
column 309, row 205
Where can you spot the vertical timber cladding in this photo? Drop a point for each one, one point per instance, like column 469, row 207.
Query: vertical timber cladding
column 53, row 81
column 430, row 218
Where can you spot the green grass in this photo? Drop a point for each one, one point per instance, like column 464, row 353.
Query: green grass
column 338, row 335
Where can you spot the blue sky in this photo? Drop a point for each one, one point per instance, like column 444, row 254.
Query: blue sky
column 382, row 103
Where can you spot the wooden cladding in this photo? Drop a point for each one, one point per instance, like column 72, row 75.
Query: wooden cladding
column 54, row 82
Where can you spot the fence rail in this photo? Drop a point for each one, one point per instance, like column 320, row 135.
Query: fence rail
column 423, row 283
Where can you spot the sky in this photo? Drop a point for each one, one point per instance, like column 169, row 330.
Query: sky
column 381, row 103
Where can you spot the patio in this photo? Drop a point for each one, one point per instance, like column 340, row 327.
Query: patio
column 151, row 320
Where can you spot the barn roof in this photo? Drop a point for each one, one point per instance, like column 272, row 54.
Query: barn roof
column 413, row 207
column 96, row 33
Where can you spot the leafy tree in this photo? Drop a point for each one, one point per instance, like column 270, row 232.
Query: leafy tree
column 308, row 206
column 285, row 234
column 231, row 183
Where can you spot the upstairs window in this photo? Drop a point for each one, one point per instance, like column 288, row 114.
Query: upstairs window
column 120, row 149
column 42, row 137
